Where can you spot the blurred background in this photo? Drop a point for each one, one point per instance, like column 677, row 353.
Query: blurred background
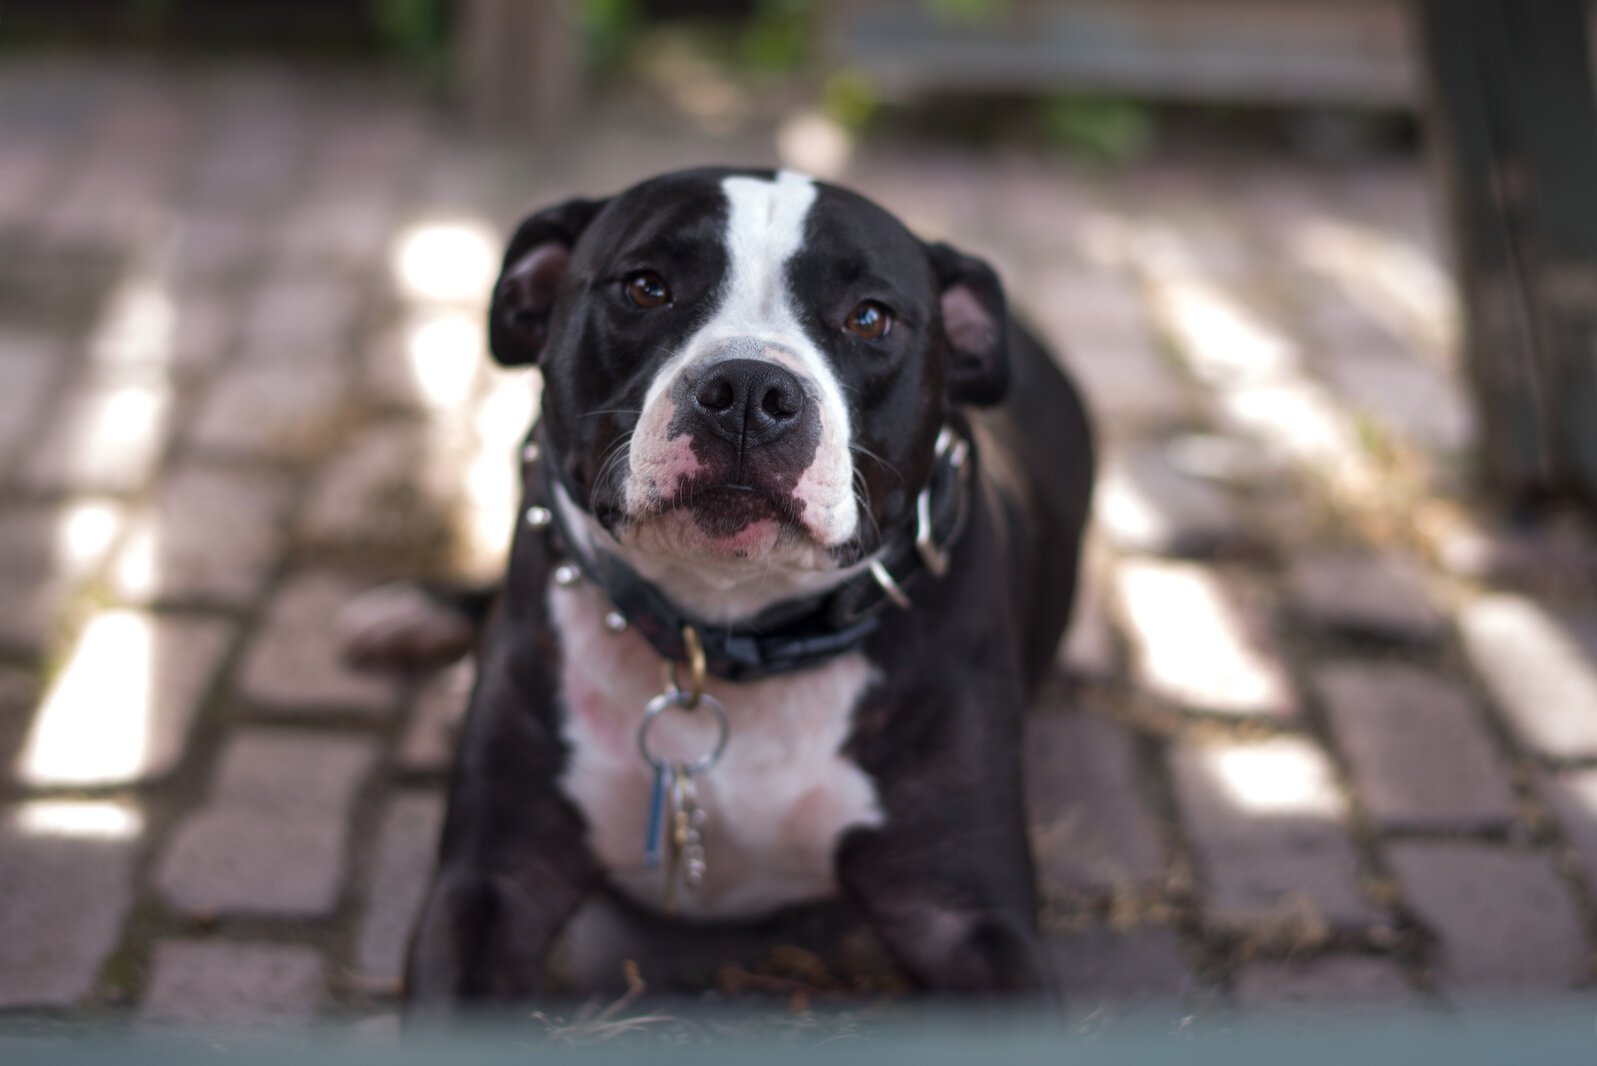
column 1324, row 734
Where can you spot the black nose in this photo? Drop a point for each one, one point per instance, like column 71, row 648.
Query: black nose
column 749, row 401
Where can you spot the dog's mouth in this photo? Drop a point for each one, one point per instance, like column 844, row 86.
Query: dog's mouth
column 731, row 518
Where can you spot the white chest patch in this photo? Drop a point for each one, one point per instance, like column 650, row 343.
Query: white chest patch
column 777, row 802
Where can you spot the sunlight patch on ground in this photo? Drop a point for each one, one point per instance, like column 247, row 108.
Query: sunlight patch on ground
column 1224, row 342
column 446, row 272
column 1192, row 646
column 447, row 261
column 1257, row 372
column 1274, row 778
column 445, row 351
column 93, row 726
column 80, row 819
column 138, row 325
column 1387, row 277
column 85, row 532
column 492, row 483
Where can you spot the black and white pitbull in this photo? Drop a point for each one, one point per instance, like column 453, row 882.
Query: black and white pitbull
column 761, row 445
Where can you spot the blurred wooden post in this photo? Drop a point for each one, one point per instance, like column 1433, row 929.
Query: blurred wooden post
column 1514, row 137
column 520, row 65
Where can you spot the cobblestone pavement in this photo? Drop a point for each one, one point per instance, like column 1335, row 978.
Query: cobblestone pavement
column 1322, row 735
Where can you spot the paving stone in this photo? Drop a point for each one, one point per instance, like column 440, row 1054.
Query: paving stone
column 296, row 662
column 428, row 745
column 222, row 983
column 340, row 230
column 212, row 535
column 110, row 201
column 1366, row 595
column 212, row 246
column 27, row 172
column 1200, row 642
column 65, row 541
column 1539, row 675
column 272, row 838
column 1143, row 504
column 36, row 605
column 1270, row 830
column 1098, row 325
column 1224, row 460
column 1381, row 375
column 122, row 708
column 397, row 882
column 1224, row 338
column 1088, row 652
column 388, row 490
column 303, row 316
column 1295, row 418
column 1101, row 969
column 1506, row 923
column 252, row 165
column 1556, row 554
column 432, row 362
column 373, row 146
column 137, row 327
column 107, row 437
column 1090, row 830
column 65, row 889
column 286, row 410
column 1334, row 981
column 29, row 369
column 204, row 331
column 1417, row 745
column 1573, row 795
column 1416, row 399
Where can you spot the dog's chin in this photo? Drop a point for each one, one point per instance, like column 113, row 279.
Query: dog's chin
column 723, row 528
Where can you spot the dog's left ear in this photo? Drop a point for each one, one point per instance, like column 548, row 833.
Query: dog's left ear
column 976, row 322
column 529, row 281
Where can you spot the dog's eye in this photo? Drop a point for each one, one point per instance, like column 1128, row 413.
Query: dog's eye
column 647, row 290
column 869, row 320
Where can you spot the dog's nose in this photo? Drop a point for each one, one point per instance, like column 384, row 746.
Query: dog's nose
column 749, row 401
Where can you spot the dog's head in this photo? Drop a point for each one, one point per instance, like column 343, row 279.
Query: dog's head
column 744, row 371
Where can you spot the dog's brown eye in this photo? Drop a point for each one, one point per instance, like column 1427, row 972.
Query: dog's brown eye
column 869, row 320
column 647, row 290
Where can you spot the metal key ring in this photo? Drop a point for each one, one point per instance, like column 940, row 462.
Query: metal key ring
column 678, row 698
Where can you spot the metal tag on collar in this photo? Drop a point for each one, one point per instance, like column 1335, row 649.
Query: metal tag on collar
column 954, row 449
column 889, row 586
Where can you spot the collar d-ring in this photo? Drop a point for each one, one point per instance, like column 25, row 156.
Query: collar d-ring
column 696, row 670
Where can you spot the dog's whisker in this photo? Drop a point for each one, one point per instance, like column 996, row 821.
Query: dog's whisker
column 860, row 449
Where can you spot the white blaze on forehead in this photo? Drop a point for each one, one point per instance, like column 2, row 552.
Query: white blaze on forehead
column 765, row 228
column 764, row 231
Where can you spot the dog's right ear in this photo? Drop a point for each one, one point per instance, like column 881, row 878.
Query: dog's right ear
column 529, row 281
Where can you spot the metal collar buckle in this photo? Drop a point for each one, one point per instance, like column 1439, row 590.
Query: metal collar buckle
column 934, row 555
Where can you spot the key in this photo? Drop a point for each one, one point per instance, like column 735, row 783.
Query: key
column 676, row 839
column 691, row 820
column 654, row 830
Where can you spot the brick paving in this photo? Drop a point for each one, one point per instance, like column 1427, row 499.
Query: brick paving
column 1323, row 736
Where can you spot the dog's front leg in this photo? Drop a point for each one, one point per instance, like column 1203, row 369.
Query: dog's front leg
column 484, row 935
column 957, row 913
column 947, row 877
column 514, row 864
